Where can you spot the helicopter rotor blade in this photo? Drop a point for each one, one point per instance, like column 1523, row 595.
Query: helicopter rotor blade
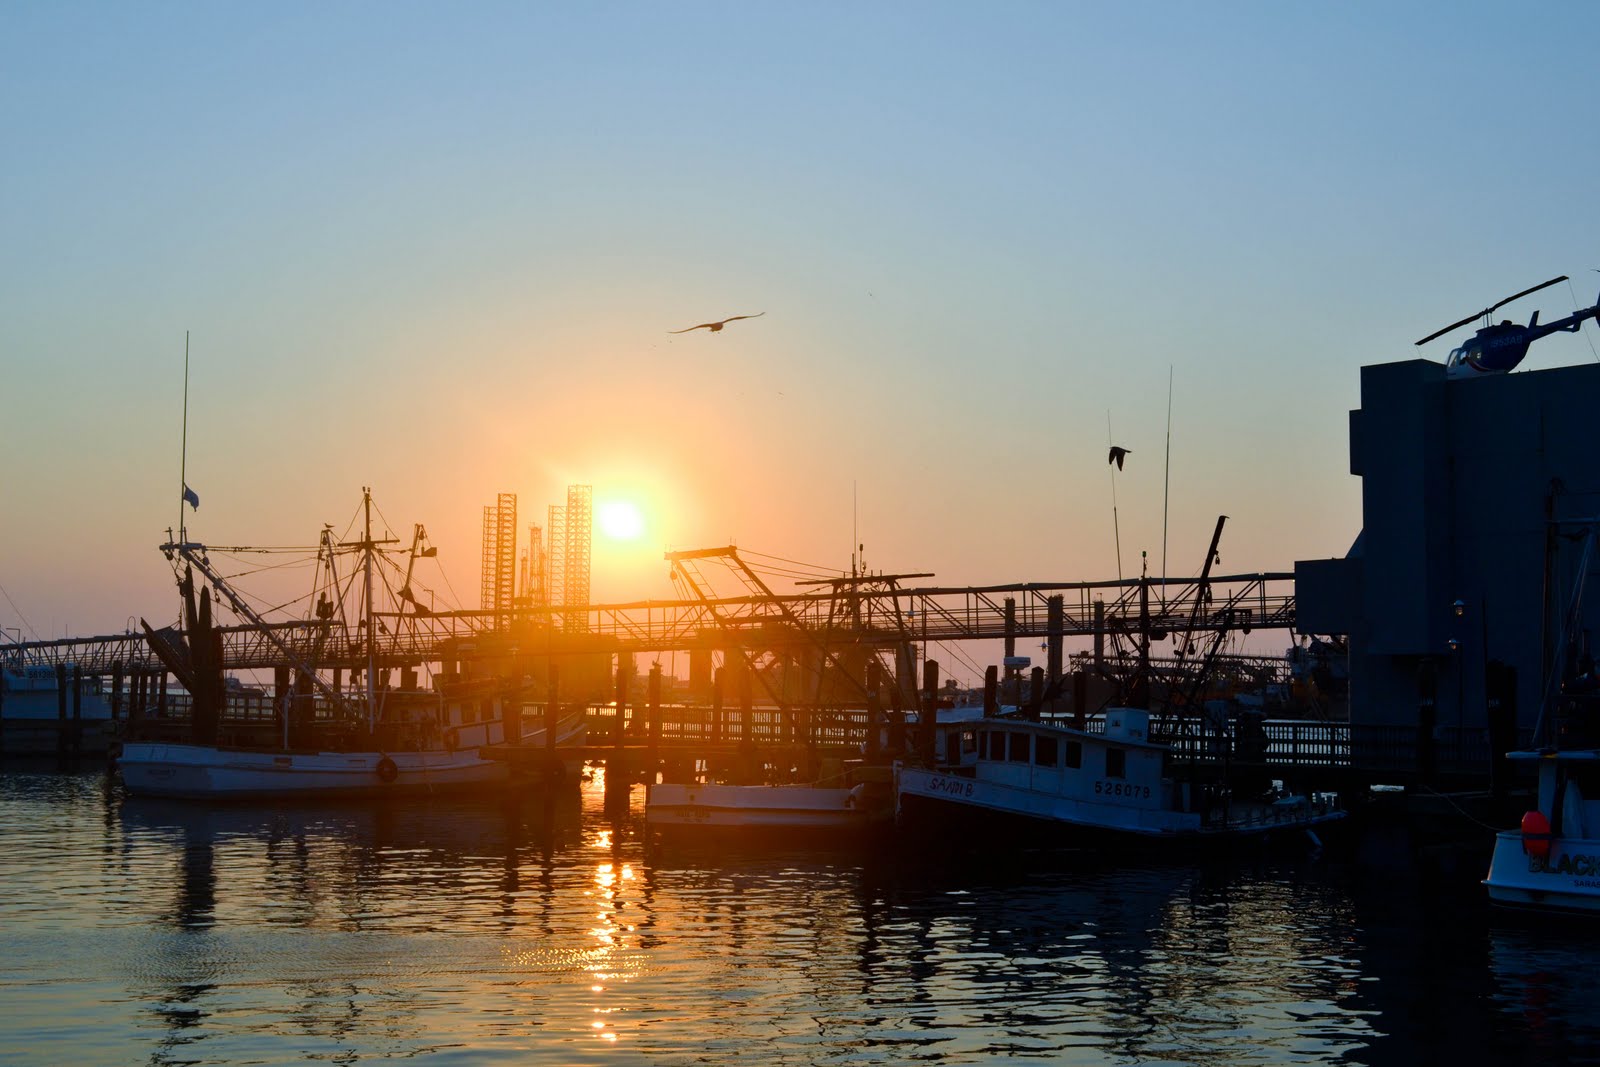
column 1525, row 292
column 1491, row 308
column 1453, row 325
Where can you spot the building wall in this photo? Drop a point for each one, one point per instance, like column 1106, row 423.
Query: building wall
column 1458, row 478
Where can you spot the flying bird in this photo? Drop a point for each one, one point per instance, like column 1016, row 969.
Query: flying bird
column 716, row 327
column 1117, row 452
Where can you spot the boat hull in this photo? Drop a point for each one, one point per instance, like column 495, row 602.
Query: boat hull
column 934, row 801
column 682, row 809
column 1567, row 880
column 205, row 772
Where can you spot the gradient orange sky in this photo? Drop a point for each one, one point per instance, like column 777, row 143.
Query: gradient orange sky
column 439, row 253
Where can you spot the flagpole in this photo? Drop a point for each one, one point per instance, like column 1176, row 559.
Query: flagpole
column 183, row 461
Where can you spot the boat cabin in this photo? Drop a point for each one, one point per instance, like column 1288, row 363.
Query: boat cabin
column 1120, row 766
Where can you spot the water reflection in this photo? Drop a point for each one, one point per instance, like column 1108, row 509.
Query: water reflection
column 545, row 932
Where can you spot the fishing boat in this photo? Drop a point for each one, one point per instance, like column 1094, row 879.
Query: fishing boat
column 201, row 771
column 1064, row 784
column 326, row 739
column 1551, row 861
column 1052, row 782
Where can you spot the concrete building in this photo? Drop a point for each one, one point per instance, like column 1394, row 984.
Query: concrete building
column 1463, row 562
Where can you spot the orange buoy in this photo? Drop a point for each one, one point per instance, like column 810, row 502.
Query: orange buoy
column 1536, row 835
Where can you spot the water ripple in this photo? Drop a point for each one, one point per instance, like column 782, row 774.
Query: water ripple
column 548, row 933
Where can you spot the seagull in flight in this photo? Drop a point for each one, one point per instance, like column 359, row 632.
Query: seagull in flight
column 1117, row 454
column 716, row 327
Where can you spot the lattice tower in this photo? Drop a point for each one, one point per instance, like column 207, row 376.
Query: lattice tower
column 556, row 556
column 499, row 576
column 579, row 535
column 535, row 570
column 486, row 568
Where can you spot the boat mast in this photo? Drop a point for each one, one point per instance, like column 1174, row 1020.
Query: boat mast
column 372, row 645
column 183, row 458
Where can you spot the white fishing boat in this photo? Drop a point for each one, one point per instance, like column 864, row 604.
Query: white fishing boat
column 329, row 740
column 1052, row 782
column 1551, row 862
column 174, row 769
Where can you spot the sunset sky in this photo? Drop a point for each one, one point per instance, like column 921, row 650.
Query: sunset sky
column 437, row 250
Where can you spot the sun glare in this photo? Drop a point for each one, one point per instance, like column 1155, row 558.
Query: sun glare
column 620, row 520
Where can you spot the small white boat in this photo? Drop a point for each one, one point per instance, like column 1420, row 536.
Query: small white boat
column 1552, row 861
column 1071, row 786
column 853, row 802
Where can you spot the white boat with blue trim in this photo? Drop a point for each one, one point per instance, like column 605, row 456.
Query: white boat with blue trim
column 1049, row 781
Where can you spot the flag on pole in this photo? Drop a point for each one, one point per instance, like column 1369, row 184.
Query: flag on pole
column 191, row 497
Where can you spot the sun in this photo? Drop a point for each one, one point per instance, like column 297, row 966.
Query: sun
column 620, row 520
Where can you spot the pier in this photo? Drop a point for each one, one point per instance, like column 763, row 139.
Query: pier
column 800, row 677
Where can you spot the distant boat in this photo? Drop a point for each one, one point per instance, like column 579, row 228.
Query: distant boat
column 1051, row 782
column 31, row 711
column 372, row 743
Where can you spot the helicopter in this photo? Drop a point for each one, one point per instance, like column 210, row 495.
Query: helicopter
column 1498, row 347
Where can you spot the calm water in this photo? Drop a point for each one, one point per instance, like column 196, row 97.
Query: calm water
column 137, row 932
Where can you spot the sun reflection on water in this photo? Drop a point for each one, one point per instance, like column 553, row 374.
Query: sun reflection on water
column 608, row 959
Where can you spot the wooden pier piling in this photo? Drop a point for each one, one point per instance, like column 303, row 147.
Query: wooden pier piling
column 619, row 716
column 552, row 713
column 116, row 691
column 928, row 725
column 718, row 714
column 653, row 698
column 874, row 743
column 61, row 709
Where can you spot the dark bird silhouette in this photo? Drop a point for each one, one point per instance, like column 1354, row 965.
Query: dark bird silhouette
column 716, row 327
column 1117, row 452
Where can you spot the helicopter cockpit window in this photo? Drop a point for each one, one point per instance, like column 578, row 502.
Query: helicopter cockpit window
column 1457, row 355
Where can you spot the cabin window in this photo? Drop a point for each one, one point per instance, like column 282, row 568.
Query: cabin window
column 1074, row 755
column 1044, row 751
column 969, row 742
column 997, row 744
column 1116, row 763
column 1019, row 748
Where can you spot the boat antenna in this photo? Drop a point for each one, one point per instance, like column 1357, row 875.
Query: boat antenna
column 1116, row 529
column 183, row 454
column 1166, row 491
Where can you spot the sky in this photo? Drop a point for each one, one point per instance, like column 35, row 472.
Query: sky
column 437, row 250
